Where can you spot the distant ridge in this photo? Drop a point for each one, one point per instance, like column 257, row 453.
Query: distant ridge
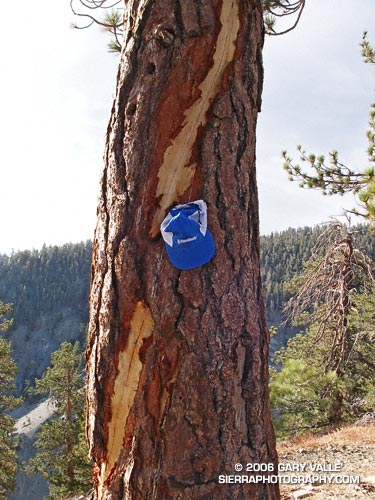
column 49, row 289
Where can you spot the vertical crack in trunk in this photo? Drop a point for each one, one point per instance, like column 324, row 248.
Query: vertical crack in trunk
column 176, row 172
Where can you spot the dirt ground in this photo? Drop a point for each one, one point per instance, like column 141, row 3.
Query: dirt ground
column 339, row 456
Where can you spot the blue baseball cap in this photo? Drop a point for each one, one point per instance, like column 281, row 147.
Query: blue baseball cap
column 188, row 242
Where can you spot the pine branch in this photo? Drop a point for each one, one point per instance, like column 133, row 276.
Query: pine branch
column 333, row 276
column 274, row 9
column 333, row 176
column 368, row 53
column 112, row 22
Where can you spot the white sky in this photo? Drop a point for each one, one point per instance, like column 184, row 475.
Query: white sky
column 55, row 97
column 317, row 93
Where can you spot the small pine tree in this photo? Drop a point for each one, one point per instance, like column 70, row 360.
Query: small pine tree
column 62, row 457
column 327, row 374
column 305, row 395
column 8, row 369
column 5, row 322
column 301, row 394
column 336, row 273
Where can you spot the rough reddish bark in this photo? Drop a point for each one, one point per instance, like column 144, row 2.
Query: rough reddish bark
column 177, row 360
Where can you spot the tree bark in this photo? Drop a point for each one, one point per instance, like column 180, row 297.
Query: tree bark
column 178, row 360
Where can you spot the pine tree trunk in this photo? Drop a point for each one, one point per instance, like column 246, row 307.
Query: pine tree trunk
column 69, row 426
column 177, row 360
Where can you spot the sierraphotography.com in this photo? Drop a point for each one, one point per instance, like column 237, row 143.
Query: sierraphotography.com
column 288, row 479
column 289, row 473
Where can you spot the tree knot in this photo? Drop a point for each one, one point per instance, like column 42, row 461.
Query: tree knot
column 164, row 35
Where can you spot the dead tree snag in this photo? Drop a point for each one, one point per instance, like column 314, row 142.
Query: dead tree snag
column 177, row 360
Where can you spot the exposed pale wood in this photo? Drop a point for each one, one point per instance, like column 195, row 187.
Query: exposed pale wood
column 176, row 173
column 189, row 86
column 126, row 384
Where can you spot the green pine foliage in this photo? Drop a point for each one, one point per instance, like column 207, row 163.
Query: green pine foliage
column 55, row 278
column 299, row 394
column 62, row 457
column 274, row 10
column 54, row 282
column 8, row 369
column 51, row 279
column 89, row 13
column 326, row 376
column 283, row 255
column 368, row 53
column 305, row 396
column 113, row 23
column 360, row 375
column 332, row 176
column 5, row 322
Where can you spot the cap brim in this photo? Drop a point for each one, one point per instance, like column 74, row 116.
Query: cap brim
column 192, row 254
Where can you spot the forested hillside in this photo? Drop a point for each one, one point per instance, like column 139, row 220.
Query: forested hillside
column 40, row 282
column 49, row 291
column 283, row 255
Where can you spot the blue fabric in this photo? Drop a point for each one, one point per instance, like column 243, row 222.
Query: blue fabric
column 190, row 247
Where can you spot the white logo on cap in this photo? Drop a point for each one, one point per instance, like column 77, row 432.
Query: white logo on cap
column 199, row 216
column 186, row 240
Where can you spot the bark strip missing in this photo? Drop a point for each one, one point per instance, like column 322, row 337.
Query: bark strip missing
column 126, row 384
column 176, row 173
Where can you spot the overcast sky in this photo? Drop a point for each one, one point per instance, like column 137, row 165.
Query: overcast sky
column 56, row 92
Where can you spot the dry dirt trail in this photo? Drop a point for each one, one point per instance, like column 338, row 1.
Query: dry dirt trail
column 344, row 453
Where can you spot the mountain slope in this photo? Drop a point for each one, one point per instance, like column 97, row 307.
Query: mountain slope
column 49, row 292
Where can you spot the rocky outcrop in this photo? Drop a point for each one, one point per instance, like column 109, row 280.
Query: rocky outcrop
column 29, row 418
